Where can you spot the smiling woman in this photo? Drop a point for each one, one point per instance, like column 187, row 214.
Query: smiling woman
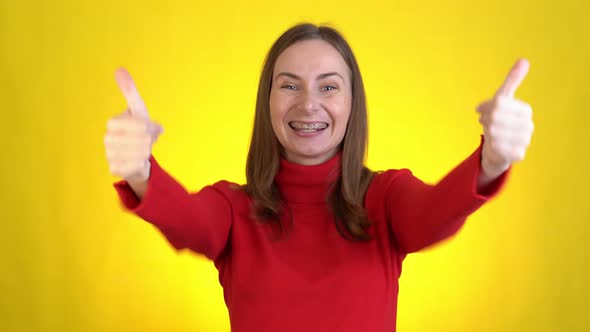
column 343, row 229
column 311, row 80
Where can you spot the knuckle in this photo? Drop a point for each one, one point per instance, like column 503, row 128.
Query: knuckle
column 110, row 140
column 496, row 146
column 111, row 123
column 483, row 107
column 114, row 169
column 492, row 130
column 493, row 116
column 481, row 119
column 109, row 155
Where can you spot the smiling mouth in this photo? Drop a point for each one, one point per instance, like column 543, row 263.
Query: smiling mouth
column 308, row 127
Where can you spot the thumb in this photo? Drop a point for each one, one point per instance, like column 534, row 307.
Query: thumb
column 514, row 78
column 127, row 87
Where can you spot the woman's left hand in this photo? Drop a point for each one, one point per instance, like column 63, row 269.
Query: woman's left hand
column 507, row 124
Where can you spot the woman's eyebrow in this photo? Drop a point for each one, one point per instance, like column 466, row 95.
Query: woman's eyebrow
column 291, row 75
column 321, row 76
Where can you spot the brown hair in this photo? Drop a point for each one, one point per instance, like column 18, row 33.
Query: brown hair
column 346, row 198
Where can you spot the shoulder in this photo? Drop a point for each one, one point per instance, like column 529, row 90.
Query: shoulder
column 227, row 188
column 391, row 183
column 385, row 185
column 384, row 179
column 232, row 192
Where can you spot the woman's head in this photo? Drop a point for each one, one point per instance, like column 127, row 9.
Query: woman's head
column 292, row 91
column 310, row 105
column 310, row 101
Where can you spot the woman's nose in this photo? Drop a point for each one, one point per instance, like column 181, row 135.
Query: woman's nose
column 309, row 102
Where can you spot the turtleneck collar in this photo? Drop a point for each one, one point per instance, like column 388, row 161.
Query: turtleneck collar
column 307, row 184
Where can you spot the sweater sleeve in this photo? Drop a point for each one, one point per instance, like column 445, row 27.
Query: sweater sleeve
column 421, row 214
column 199, row 221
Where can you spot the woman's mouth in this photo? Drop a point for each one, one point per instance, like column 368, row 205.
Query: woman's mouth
column 308, row 127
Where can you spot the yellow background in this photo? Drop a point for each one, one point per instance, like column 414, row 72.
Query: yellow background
column 72, row 260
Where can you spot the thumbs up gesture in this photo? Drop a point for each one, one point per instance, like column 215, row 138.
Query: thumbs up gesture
column 130, row 135
column 507, row 124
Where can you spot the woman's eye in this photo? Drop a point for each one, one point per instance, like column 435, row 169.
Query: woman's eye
column 329, row 88
column 289, row 87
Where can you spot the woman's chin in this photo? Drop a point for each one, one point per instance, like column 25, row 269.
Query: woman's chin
column 310, row 156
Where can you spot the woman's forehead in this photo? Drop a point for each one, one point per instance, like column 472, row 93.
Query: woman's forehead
column 311, row 58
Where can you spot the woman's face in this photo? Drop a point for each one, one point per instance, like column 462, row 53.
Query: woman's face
column 310, row 101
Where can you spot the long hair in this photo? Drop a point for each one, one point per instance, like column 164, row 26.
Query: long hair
column 347, row 194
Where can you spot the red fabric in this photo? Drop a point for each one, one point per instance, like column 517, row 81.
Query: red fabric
column 312, row 280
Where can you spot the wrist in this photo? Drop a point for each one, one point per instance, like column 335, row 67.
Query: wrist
column 139, row 184
column 493, row 169
column 142, row 176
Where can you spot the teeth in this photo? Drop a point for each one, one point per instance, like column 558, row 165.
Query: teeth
column 308, row 126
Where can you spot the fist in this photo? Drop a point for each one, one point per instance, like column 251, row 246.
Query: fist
column 129, row 137
column 507, row 124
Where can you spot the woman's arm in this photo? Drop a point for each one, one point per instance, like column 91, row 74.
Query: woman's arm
column 199, row 221
column 420, row 214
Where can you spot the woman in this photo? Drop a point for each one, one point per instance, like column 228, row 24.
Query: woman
column 315, row 240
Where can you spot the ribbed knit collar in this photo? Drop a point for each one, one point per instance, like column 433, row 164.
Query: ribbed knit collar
column 307, row 184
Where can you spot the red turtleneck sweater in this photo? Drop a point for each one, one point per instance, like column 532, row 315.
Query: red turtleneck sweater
column 314, row 279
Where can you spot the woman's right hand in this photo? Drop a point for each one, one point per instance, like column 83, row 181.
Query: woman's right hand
column 129, row 137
